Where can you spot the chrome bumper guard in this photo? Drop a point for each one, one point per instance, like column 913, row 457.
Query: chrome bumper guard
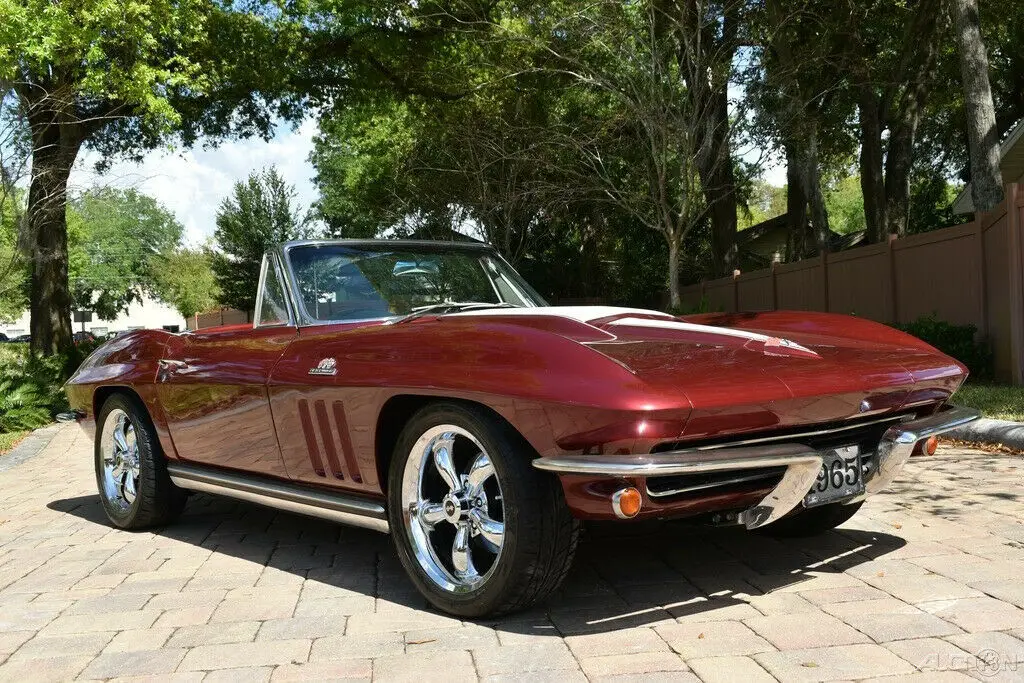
column 802, row 463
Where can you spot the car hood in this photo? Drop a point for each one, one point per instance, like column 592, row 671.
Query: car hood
column 769, row 370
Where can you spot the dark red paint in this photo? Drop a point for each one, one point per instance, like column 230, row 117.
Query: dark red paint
column 244, row 399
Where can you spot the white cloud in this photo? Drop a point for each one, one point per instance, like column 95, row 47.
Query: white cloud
column 192, row 183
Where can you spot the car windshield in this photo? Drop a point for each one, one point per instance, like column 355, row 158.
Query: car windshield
column 339, row 282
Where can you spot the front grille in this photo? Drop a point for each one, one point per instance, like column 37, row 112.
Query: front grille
column 867, row 433
column 662, row 487
column 864, row 433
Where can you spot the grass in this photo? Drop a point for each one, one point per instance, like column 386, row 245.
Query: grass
column 994, row 401
column 10, row 440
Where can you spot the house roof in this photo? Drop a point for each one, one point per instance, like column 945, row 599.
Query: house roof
column 1011, row 164
column 759, row 243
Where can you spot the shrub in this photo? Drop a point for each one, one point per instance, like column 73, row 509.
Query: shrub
column 31, row 390
column 957, row 341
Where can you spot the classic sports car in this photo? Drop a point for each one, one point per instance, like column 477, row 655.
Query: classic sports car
column 424, row 388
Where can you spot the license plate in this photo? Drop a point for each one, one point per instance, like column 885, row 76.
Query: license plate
column 840, row 477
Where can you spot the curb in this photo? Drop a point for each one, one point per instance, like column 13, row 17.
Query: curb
column 985, row 430
column 29, row 447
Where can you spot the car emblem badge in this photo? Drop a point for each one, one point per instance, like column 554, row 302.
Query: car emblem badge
column 327, row 366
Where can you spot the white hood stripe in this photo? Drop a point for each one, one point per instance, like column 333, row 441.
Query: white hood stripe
column 664, row 321
column 689, row 327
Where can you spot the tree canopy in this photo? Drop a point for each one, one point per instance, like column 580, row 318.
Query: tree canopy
column 118, row 241
column 259, row 213
column 609, row 135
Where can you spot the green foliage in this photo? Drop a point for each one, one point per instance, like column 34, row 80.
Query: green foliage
column 957, row 341
column 845, row 202
column 761, row 201
column 258, row 214
column 118, row 239
column 184, row 279
column 30, row 388
column 996, row 402
column 13, row 265
column 10, row 439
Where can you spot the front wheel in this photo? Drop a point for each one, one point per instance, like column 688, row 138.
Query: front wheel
column 477, row 528
column 131, row 472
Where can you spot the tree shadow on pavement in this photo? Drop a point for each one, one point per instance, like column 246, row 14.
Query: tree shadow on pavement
column 623, row 576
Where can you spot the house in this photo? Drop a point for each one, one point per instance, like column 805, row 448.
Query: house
column 149, row 313
column 1011, row 165
column 764, row 243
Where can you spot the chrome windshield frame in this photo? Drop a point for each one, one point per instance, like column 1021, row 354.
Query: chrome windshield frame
column 302, row 317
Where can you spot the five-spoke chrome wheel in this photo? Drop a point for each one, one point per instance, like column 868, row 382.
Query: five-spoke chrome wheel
column 119, row 448
column 452, row 508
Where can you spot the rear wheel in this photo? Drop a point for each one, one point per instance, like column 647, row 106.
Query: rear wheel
column 131, row 472
column 477, row 528
column 812, row 521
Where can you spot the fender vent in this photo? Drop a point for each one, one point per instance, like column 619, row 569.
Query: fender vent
column 334, row 437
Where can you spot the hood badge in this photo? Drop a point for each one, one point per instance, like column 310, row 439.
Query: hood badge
column 327, row 366
column 774, row 346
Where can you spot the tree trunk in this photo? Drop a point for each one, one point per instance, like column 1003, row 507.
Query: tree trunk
column 719, row 183
column 898, row 162
column 872, row 178
column 53, row 154
column 821, row 239
column 675, row 299
column 982, row 134
column 796, row 203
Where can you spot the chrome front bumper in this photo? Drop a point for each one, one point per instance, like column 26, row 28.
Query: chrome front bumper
column 802, row 463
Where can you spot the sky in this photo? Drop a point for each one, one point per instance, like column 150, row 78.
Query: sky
column 192, row 183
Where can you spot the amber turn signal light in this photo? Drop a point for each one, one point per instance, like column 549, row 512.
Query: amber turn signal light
column 626, row 503
column 931, row 445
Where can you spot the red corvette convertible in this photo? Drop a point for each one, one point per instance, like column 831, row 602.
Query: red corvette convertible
column 426, row 389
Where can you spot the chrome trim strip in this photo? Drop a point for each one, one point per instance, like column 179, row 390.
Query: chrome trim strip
column 676, row 462
column 337, row 507
column 899, row 440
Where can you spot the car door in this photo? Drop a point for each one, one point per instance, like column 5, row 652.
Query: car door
column 213, row 386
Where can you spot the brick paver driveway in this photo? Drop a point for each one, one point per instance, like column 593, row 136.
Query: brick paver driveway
column 929, row 577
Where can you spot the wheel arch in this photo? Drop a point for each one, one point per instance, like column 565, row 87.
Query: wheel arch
column 396, row 412
column 151, row 410
column 101, row 394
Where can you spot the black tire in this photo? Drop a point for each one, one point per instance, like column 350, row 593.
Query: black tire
column 157, row 501
column 812, row 521
column 540, row 534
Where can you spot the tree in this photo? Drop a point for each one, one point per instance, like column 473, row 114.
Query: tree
column 891, row 53
column 257, row 215
column 982, row 133
column 708, row 35
column 117, row 240
column 13, row 265
column 184, row 279
column 639, row 140
column 119, row 78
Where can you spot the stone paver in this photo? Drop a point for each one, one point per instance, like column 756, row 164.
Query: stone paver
column 925, row 583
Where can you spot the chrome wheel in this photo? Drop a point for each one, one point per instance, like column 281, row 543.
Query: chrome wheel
column 452, row 508
column 119, row 449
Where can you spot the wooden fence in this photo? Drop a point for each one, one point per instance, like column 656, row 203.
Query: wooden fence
column 967, row 274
